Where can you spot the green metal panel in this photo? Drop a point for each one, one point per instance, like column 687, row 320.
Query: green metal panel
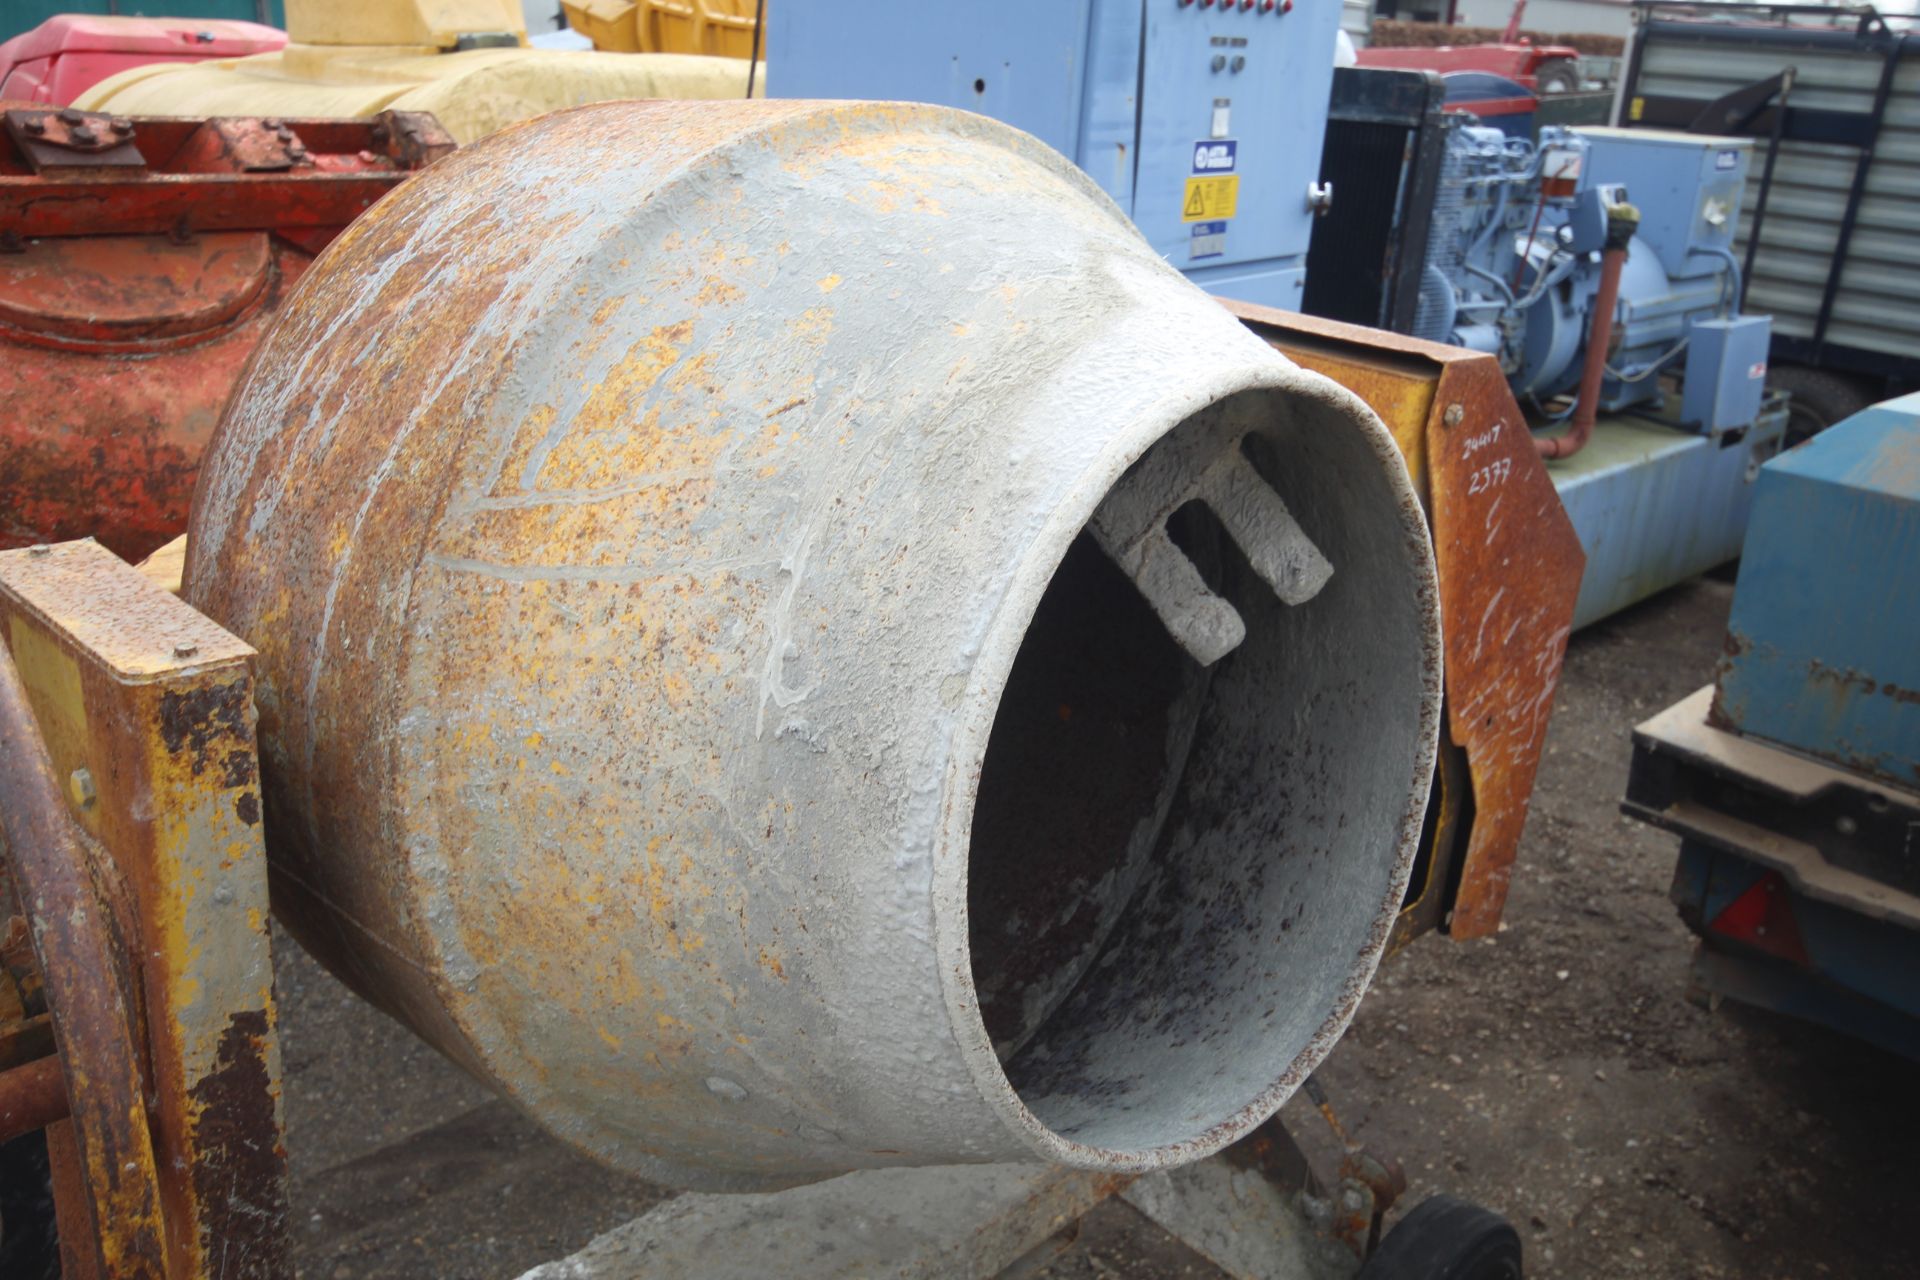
column 25, row 15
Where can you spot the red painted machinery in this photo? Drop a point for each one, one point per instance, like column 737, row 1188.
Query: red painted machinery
column 1541, row 68
column 72, row 52
column 1537, row 68
column 140, row 260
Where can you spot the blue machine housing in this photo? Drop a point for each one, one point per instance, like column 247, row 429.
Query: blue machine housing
column 1204, row 122
column 1514, row 265
column 1823, row 646
column 1794, row 780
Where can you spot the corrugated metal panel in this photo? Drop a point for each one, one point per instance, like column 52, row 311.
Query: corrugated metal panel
column 1878, row 304
column 1800, row 234
column 1831, row 81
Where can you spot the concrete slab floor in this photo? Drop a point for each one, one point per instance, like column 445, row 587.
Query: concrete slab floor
column 1557, row 1073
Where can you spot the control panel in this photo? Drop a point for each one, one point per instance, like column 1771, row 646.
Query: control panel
column 1203, row 119
column 1233, row 115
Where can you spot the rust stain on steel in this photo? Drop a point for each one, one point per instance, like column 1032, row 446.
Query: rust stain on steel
column 32, row 1097
column 80, row 1252
column 1509, row 562
column 93, row 1025
column 131, row 296
column 26, row 1039
column 239, row 1176
column 1845, row 682
column 105, row 437
column 659, row 522
column 155, row 702
column 191, row 172
column 202, row 723
column 72, row 139
column 26, row 1028
column 22, row 990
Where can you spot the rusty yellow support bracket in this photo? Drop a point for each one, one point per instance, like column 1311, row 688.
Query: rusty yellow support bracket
column 1510, row 566
column 146, row 710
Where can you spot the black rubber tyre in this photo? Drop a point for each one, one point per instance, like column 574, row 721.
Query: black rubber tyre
column 1447, row 1239
column 1820, row 398
column 1556, row 75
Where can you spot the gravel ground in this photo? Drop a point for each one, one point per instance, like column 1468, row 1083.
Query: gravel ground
column 1558, row 1073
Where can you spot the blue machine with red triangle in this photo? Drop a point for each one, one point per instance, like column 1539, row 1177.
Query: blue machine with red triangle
column 1793, row 780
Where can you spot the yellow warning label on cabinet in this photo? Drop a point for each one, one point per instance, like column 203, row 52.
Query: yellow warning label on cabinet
column 1209, row 198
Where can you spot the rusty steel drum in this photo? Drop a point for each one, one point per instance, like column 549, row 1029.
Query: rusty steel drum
column 791, row 641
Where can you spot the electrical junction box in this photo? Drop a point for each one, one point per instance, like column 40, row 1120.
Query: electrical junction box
column 1726, row 372
column 1686, row 186
column 1585, row 230
column 1203, row 119
column 1821, row 654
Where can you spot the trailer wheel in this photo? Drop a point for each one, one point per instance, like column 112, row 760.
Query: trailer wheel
column 1447, row 1239
column 1820, row 398
column 1557, row 75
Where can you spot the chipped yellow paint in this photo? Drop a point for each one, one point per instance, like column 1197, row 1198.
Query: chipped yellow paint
column 1402, row 395
column 52, row 679
column 813, row 324
column 718, row 292
column 170, row 744
column 829, row 283
column 603, row 444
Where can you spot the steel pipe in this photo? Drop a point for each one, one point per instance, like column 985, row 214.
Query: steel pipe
column 790, row 640
column 1622, row 220
column 32, row 1096
column 75, row 940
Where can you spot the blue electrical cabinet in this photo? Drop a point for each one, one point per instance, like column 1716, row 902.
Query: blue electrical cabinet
column 1726, row 376
column 1203, row 119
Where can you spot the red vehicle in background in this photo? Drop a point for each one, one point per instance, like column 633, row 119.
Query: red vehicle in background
column 72, row 52
column 1539, row 68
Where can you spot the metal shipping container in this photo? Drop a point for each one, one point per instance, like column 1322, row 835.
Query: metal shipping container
column 1832, row 98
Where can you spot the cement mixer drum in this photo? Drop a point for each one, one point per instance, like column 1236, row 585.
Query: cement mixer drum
column 791, row 641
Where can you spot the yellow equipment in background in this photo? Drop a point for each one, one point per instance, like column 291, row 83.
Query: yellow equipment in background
column 723, row 28
column 465, row 61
